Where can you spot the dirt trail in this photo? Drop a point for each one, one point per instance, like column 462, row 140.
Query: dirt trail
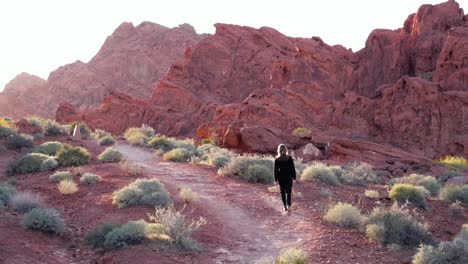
column 232, row 204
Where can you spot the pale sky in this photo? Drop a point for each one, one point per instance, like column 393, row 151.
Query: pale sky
column 38, row 36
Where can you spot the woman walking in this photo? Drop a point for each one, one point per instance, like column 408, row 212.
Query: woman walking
column 285, row 173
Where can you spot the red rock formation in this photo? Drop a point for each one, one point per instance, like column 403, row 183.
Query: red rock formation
column 131, row 60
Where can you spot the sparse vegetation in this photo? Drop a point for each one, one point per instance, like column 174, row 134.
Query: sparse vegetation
column 6, row 192
column 69, row 155
column 178, row 155
column 142, row 192
column 456, row 163
column 96, row 238
column 107, row 141
column 110, row 155
column 178, row 227
column 19, row 141
column 139, row 136
column 396, row 226
column 428, row 182
column 250, row 168
column 456, row 209
column 99, row 133
column 131, row 233
column 90, row 178
column 187, row 195
column 358, row 173
column 453, row 193
column 131, row 169
column 320, row 172
column 49, row 148
column 61, row 176
column 52, row 128
column 67, row 187
column 163, row 143
column 84, row 129
column 292, row 256
column 24, row 202
column 32, row 162
column 403, row 192
column 448, row 175
column 371, row 194
column 6, row 132
column 44, row 219
column 209, row 140
column 214, row 156
column 301, row 132
column 344, row 214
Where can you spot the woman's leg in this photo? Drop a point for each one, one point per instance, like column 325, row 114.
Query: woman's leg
column 289, row 193
column 283, row 194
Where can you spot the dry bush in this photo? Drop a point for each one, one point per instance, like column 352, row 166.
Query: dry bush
column 67, row 187
column 344, row 214
column 187, row 195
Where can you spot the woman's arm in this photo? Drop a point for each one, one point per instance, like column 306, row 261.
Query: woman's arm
column 292, row 168
column 276, row 171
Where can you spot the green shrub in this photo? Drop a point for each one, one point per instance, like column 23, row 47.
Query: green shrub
column 45, row 220
column 49, row 148
column 33, row 162
column 456, row 209
column 6, row 132
column 214, row 156
column 453, row 193
column 187, row 144
column 178, row 155
column 131, row 169
column 320, row 172
column 448, row 175
column 84, row 129
column 6, row 193
column 110, row 155
column 90, row 178
column 257, row 173
column 344, row 214
column 358, row 173
column 142, row 191
column 131, row 233
column 61, row 176
column 301, row 132
column 106, row 141
column 73, row 156
column 35, row 122
column 403, row 192
column 20, row 141
column 220, row 161
column 178, row 227
column 162, row 143
column 24, row 202
column 396, row 226
column 97, row 236
column 337, row 170
column 454, row 252
column 52, row 128
column 210, row 140
column 292, row 256
column 239, row 167
column 139, row 135
column 428, row 182
column 99, row 133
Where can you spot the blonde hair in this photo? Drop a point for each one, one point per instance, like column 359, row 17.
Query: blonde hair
column 282, row 146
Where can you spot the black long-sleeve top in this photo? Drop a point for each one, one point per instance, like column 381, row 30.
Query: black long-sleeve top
column 284, row 170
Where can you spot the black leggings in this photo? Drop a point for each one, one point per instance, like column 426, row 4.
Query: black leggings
column 286, row 193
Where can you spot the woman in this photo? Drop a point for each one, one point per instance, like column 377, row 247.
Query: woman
column 285, row 173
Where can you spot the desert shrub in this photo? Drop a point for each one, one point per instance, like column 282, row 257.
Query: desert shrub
column 344, row 214
column 320, row 172
column 6, row 192
column 178, row 227
column 6, row 132
column 187, row 195
column 110, row 155
column 214, row 156
column 448, row 175
column 220, row 161
column 52, row 128
column 403, row 192
column 67, row 187
column 239, row 167
column 131, row 169
column 97, row 236
column 396, row 226
column 301, row 132
column 292, row 256
column 142, row 191
column 162, row 143
column 6, row 122
column 69, row 155
column 371, row 194
column 19, row 141
column 33, row 162
column 456, row 163
column 178, row 155
column 131, row 233
column 358, row 173
column 454, row 252
column 258, row 173
column 456, row 208
column 60, row 176
column 90, row 178
column 209, row 140
column 84, row 129
column 428, row 182
column 36, row 122
column 453, row 193
column 139, row 136
column 24, row 202
column 100, row 133
column 337, row 170
column 187, row 144
column 44, row 219
column 49, row 148
column 106, row 141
